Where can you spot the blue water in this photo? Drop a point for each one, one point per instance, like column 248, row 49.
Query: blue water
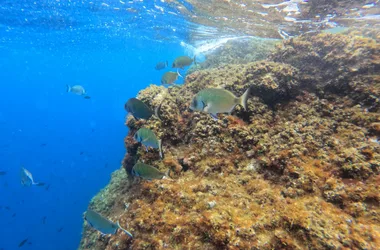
column 68, row 142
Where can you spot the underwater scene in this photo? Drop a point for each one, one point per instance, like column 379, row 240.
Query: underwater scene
column 198, row 124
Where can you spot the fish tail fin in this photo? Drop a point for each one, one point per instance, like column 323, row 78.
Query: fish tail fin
column 194, row 59
column 68, row 88
column 160, row 148
column 243, row 99
column 39, row 184
column 167, row 176
column 157, row 111
column 179, row 73
column 125, row 231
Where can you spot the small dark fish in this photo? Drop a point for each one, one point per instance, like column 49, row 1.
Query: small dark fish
column 40, row 184
column 161, row 65
column 22, row 242
column 183, row 61
column 60, row 230
column 47, row 187
column 106, row 165
column 43, row 144
column 139, row 109
column 81, row 153
column 13, row 215
column 170, row 77
column 87, row 97
column 44, row 220
column 7, row 208
column 3, row 172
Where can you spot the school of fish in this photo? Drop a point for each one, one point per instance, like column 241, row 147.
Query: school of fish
column 211, row 100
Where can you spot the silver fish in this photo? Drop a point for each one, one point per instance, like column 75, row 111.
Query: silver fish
column 27, row 178
column 102, row 224
column 148, row 138
column 161, row 65
column 183, row 61
column 218, row 100
column 170, row 77
column 76, row 89
column 148, row 172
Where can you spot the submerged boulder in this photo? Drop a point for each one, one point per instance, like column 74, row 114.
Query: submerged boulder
column 299, row 169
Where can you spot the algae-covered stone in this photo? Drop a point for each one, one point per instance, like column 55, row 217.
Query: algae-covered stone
column 299, row 169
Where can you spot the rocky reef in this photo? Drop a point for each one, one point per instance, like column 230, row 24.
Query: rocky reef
column 237, row 51
column 299, row 169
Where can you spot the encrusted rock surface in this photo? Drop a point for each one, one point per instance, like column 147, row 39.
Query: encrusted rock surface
column 346, row 65
column 239, row 51
column 299, row 169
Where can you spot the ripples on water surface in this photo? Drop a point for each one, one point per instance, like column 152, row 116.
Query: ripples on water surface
column 174, row 21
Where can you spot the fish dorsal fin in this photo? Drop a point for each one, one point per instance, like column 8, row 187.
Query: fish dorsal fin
column 125, row 231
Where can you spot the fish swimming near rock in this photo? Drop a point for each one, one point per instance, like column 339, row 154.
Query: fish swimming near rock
column 27, row 178
column 78, row 90
column 161, row 65
column 170, row 77
column 218, row 100
column 149, row 139
column 102, row 224
column 147, row 172
column 183, row 61
column 139, row 109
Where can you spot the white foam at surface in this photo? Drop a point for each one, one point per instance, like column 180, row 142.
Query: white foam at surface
column 207, row 46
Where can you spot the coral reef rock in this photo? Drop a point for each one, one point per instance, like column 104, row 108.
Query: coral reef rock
column 299, row 169
column 238, row 51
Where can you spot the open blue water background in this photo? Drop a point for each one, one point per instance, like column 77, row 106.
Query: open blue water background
column 66, row 141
